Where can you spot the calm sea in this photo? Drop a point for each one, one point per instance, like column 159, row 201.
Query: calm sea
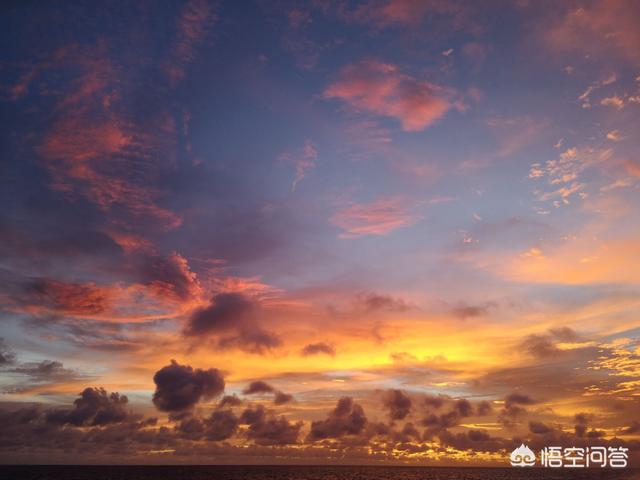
column 301, row 473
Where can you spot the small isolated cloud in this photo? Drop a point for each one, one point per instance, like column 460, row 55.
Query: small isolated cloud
column 303, row 161
column 375, row 302
column 180, row 387
column 381, row 89
column 614, row 136
column 613, row 101
column 375, row 218
column 319, row 348
column 259, row 387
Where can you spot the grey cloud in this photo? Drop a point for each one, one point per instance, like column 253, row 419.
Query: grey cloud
column 317, row 349
column 347, row 418
column 398, row 403
column 180, row 387
column 94, row 407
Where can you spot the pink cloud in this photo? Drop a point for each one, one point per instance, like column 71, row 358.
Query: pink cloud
column 303, row 161
column 604, row 27
column 375, row 218
column 380, row 88
column 193, row 26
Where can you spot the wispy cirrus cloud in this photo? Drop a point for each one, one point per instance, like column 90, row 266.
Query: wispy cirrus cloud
column 379, row 217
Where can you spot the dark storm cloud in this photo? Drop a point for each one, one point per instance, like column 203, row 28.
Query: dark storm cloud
column 347, row 418
column 317, row 349
column 180, row 387
column 94, row 407
column 266, row 429
column 233, row 318
column 398, row 403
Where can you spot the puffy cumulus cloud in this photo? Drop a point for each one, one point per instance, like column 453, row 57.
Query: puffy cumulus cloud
column 348, row 418
column 180, row 387
column 443, row 412
column 267, row 429
column 398, row 403
column 220, row 425
column 379, row 217
column 318, row 349
column 381, row 88
column 94, row 407
column 234, row 319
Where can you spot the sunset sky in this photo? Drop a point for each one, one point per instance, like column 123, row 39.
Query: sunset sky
column 400, row 231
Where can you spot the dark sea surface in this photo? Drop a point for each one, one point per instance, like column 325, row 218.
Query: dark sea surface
column 302, row 473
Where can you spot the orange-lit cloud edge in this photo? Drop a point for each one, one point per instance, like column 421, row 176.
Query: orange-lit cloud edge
column 176, row 358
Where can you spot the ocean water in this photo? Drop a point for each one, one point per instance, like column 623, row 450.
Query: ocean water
column 303, row 473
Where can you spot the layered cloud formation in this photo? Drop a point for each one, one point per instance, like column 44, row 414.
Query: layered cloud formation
column 388, row 231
